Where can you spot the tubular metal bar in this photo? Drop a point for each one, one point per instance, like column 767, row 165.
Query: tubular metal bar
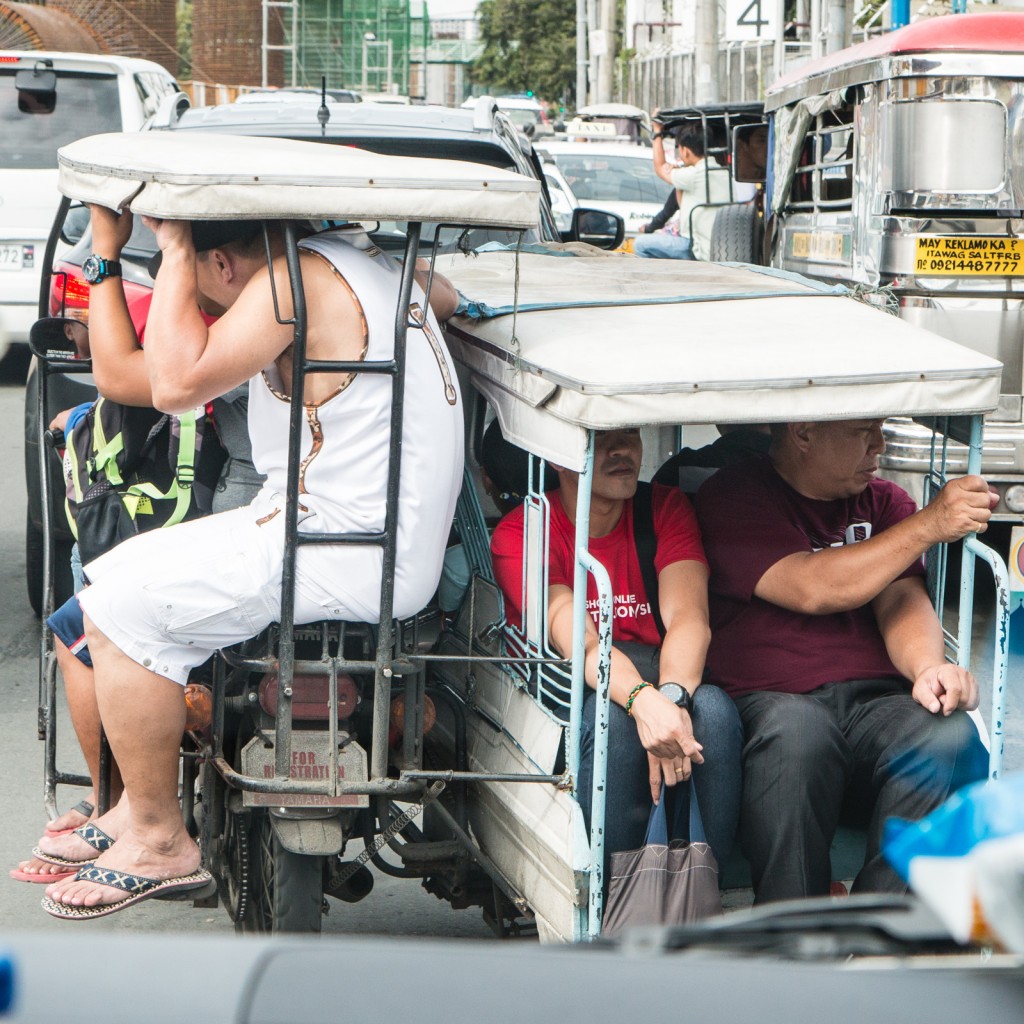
column 601, row 714
column 561, row 781
column 385, row 636
column 974, row 549
column 286, row 640
column 307, row 787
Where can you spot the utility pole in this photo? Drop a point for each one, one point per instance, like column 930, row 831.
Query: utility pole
column 606, row 59
column 581, row 53
column 837, row 36
column 705, row 54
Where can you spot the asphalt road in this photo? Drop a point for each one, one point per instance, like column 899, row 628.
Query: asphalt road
column 396, row 907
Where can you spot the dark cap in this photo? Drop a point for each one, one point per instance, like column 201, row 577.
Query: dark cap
column 508, row 466
column 212, row 234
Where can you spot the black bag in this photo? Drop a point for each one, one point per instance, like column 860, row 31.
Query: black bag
column 669, row 880
column 133, row 469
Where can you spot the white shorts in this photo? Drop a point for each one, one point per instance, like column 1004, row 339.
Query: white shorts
column 170, row 598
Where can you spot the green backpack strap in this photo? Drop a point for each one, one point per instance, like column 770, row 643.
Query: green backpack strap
column 184, row 475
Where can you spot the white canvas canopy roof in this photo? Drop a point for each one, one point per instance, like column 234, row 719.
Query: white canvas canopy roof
column 619, row 341
column 205, row 175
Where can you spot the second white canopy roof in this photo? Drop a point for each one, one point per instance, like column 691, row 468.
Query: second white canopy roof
column 189, row 175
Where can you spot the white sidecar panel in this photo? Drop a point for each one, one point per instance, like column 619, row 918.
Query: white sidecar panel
column 219, row 177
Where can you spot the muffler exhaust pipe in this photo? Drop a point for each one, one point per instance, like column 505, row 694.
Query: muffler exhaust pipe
column 351, row 889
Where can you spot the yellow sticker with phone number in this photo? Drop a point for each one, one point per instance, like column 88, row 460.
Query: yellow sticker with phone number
column 967, row 256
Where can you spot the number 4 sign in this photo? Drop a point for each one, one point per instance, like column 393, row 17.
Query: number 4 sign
column 752, row 19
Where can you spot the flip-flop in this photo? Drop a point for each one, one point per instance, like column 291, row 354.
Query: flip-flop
column 94, row 836
column 83, row 807
column 39, row 877
column 138, row 887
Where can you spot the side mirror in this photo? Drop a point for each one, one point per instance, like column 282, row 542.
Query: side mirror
column 596, row 227
column 750, row 152
column 37, row 90
column 59, row 337
column 75, row 225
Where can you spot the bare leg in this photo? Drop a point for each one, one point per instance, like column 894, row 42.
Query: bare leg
column 80, row 687
column 144, row 717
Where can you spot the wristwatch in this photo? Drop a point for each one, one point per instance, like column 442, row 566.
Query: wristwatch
column 678, row 694
column 96, row 269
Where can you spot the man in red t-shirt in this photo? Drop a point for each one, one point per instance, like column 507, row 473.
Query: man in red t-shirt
column 659, row 707
column 823, row 633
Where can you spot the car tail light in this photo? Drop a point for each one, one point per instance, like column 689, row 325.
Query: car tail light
column 309, row 696
column 69, row 292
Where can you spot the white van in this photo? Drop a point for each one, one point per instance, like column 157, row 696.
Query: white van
column 47, row 100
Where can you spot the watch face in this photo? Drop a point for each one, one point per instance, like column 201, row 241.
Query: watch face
column 674, row 692
column 91, row 269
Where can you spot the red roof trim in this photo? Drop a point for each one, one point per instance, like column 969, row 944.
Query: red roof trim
column 953, row 33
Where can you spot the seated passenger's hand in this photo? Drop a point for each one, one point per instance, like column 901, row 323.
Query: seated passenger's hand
column 945, row 688
column 666, row 733
column 963, row 506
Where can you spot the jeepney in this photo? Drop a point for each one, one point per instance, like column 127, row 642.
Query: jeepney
column 895, row 168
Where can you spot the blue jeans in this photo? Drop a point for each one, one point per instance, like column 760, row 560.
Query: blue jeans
column 661, row 245
column 716, row 725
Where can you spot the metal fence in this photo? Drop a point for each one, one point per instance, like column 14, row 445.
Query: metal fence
column 745, row 69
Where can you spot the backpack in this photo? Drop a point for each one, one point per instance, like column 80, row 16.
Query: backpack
column 131, row 469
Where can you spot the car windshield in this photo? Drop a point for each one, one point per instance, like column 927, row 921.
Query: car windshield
column 34, row 129
column 609, row 178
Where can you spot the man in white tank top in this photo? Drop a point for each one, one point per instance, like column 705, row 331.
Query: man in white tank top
column 162, row 602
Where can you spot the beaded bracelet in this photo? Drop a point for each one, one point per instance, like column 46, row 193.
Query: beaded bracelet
column 632, row 697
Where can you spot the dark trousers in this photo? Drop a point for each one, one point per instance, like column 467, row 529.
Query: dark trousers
column 716, row 725
column 854, row 752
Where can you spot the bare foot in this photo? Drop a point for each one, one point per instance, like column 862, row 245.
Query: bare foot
column 73, row 847
column 34, row 866
column 170, row 857
column 73, row 818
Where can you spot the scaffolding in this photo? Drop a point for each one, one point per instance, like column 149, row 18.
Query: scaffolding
column 357, row 44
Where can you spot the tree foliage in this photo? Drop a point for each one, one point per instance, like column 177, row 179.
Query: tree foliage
column 528, row 45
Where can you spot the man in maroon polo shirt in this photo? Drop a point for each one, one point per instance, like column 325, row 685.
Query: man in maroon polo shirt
column 823, row 634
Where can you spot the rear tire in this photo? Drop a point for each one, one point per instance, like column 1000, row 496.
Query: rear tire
column 285, row 889
column 735, row 235
column 64, row 585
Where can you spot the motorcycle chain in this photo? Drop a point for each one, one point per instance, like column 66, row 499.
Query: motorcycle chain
column 432, row 793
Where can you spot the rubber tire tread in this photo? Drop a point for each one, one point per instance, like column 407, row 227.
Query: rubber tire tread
column 734, row 235
column 296, row 893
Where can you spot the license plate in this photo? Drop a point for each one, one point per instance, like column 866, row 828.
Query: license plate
column 310, row 761
column 820, row 246
column 17, row 257
column 968, row 256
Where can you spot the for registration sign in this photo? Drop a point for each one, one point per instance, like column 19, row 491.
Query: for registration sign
column 310, row 761
column 967, row 256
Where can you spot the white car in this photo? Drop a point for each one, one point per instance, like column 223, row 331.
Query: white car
column 610, row 176
column 47, row 100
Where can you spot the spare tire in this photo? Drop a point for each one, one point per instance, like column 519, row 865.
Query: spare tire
column 735, row 235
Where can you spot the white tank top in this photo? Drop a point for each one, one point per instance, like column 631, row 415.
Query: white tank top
column 345, row 446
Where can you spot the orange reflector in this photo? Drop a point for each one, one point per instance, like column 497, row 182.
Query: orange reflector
column 198, row 707
column 398, row 717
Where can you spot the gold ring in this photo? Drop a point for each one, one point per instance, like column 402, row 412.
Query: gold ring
column 679, row 771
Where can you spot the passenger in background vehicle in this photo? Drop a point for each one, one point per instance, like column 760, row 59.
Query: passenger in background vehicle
column 655, row 734
column 698, row 185
column 823, row 634
column 690, row 467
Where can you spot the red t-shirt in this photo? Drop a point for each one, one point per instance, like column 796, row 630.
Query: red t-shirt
column 750, row 519
column 138, row 310
column 678, row 537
